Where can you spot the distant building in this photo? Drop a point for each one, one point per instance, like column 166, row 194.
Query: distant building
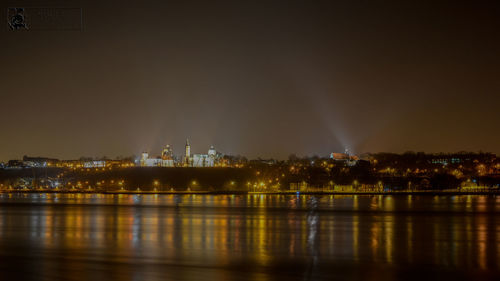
column 346, row 158
column 204, row 160
column 149, row 162
column 187, row 156
column 94, row 164
column 446, row 160
column 167, row 153
column 39, row 161
column 339, row 156
column 166, row 159
column 15, row 164
column 460, row 158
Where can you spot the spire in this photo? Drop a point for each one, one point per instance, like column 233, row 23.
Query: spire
column 187, row 159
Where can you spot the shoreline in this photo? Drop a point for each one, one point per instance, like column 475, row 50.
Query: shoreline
column 131, row 192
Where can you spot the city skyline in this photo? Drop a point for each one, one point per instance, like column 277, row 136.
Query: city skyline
column 167, row 152
column 179, row 151
column 179, row 154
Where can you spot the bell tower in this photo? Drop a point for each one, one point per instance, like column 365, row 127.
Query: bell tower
column 188, row 153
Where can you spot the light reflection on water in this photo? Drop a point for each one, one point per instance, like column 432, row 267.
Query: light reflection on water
column 248, row 237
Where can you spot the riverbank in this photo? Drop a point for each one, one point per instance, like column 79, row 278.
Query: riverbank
column 140, row 192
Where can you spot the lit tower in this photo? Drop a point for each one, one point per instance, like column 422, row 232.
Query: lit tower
column 144, row 158
column 211, row 151
column 188, row 152
column 167, row 153
column 211, row 156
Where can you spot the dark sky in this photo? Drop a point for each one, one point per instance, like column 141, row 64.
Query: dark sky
column 256, row 78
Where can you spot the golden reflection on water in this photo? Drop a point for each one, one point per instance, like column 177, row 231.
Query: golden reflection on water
column 450, row 232
column 389, row 238
column 409, row 239
column 355, row 239
column 481, row 241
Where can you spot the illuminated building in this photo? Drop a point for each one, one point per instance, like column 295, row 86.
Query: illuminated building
column 447, row 160
column 349, row 160
column 166, row 159
column 167, row 153
column 149, row 162
column 187, row 155
column 339, row 156
column 205, row 160
column 212, row 154
column 94, row 164
column 38, row 161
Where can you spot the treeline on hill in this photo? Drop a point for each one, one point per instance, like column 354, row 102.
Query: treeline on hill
column 363, row 175
column 263, row 176
column 164, row 179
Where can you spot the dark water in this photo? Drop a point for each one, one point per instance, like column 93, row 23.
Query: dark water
column 248, row 237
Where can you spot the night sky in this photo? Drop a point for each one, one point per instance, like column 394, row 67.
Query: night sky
column 256, row 78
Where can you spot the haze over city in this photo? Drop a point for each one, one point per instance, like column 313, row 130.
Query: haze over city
column 258, row 79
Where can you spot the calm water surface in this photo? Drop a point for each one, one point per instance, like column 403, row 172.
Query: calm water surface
column 248, row 237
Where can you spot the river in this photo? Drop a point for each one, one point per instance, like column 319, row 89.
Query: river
column 248, row 237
